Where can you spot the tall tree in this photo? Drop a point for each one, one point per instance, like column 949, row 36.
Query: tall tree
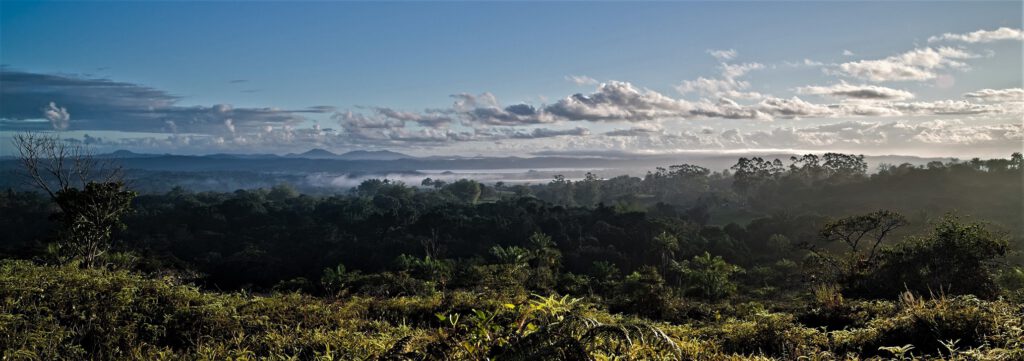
column 862, row 235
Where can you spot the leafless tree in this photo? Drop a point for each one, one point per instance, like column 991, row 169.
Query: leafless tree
column 53, row 165
column 90, row 192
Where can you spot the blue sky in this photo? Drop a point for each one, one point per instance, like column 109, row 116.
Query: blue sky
column 274, row 69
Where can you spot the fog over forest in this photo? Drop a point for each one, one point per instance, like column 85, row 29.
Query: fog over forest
column 512, row 180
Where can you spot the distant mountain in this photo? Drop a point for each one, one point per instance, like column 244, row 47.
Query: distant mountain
column 353, row 155
column 241, row 156
column 121, row 153
column 315, row 154
column 374, row 155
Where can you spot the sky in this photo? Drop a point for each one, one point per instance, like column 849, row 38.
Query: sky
column 516, row 78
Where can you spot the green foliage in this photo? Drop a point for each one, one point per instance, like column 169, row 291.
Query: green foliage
column 465, row 190
column 336, row 280
column 770, row 333
column 89, row 216
column 435, row 273
column 862, row 237
column 927, row 324
column 751, row 173
column 956, row 258
column 427, row 268
column 1011, row 280
column 282, row 192
column 709, row 277
column 56, row 313
column 587, row 192
column 643, row 292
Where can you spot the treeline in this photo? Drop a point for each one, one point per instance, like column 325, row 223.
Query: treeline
column 767, row 258
column 832, row 184
column 667, row 230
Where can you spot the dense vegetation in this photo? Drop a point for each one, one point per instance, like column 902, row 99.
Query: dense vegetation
column 815, row 259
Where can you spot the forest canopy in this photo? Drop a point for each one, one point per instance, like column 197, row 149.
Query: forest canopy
column 815, row 256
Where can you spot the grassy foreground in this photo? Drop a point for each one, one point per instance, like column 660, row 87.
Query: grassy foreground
column 54, row 313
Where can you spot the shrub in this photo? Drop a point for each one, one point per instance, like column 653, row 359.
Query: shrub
column 709, row 277
column 957, row 258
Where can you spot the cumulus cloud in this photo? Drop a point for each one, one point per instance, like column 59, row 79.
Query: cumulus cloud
column 792, row 108
column 864, row 109
column 433, row 119
column 581, row 80
column 981, row 36
column 722, row 55
column 652, row 130
column 617, row 100
column 622, row 101
column 485, row 109
column 845, row 90
column 847, row 53
column 230, row 124
column 953, row 107
column 725, row 108
column 548, row 133
column 870, row 136
column 914, row 65
column 728, row 85
column 710, row 86
column 997, row 95
column 948, row 132
column 59, row 117
column 646, row 115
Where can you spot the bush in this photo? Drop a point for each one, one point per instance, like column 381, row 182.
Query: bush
column 55, row 313
column 956, row 259
column 709, row 277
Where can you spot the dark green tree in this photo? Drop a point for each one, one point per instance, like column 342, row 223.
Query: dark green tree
column 861, row 236
column 90, row 194
column 956, row 258
column 465, row 190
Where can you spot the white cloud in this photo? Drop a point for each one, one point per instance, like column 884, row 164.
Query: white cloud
column 857, row 91
column 726, row 86
column 809, row 62
column 723, row 55
column 725, row 108
column 433, row 119
column 485, row 109
column 617, row 100
column 642, row 130
column 792, row 108
column 914, row 65
column 230, row 124
column 848, row 53
column 981, row 36
column 581, row 80
column 806, row 63
column 870, row 136
column 731, row 71
column 59, row 117
column 997, row 95
column 548, row 133
column 952, row 107
column 710, row 86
